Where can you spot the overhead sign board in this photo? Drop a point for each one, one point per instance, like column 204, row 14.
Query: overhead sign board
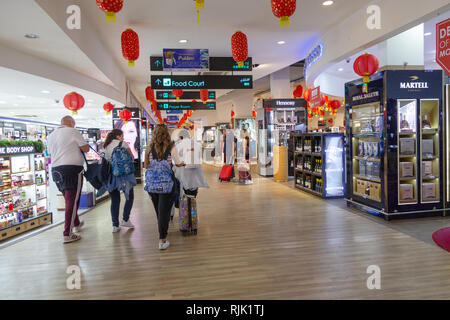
column 215, row 64
column 186, row 106
column 188, row 95
column 186, row 59
column 284, row 103
column 443, row 45
column 202, row 82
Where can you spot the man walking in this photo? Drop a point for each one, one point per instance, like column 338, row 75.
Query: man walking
column 65, row 146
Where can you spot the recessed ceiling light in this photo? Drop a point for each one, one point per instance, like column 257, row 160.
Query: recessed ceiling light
column 2, row 102
column 427, row 34
column 327, row 3
column 281, row 42
column 341, row 69
column 21, row 97
column 183, row 41
column 45, row 91
column 31, row 36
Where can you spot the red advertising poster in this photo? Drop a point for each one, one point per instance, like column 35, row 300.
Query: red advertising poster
column 443, row 45
column 315, row 97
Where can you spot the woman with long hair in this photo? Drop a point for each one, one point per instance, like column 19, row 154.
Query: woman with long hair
column 162, row 148
column 116, row 184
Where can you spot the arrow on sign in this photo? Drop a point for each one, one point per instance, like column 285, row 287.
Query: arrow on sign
column 158, row 81
column 157, row 62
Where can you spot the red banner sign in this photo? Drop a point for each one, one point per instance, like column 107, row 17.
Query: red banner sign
column 443, row 45
column 315, row 97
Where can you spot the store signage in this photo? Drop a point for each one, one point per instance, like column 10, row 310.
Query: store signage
column 313, row 57
column 202, row 82
column 366, row 96
column 413, row 85
column 172, row 118
column 189, row 95
column 284, row 103
column 186, row 106
column 315, row 97
column 134, row 113
column 174, row 111
column 215, row 64
column 186, row 59
column 8, row 125
column 443, row 45
column 16, row 149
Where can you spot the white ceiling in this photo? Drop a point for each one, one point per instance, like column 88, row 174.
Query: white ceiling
column 21, row 97
column 20, row 17
column 162, row 23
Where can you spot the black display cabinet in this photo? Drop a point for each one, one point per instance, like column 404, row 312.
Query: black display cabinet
column 319, row 161
column 395, row 143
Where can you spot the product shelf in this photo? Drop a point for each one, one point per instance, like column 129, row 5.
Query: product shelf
column 372, row 179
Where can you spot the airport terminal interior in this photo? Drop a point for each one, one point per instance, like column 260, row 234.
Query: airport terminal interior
column 307, row 146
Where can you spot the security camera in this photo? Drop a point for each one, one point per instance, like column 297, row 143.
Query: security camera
column 348, row 60
column 56, row 100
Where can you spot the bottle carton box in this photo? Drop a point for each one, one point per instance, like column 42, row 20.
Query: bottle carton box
column 407, row 146
column 428, row 191
column 406, row 191
column 406, row 170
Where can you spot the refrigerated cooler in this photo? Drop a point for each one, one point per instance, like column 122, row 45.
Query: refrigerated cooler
column 276, row 119
column 395, row 147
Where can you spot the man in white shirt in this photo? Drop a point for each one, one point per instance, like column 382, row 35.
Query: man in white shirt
column 65, row 146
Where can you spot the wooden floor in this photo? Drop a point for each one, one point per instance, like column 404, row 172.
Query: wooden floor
column 260, row 241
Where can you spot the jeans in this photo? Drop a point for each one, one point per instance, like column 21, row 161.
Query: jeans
column 115, row 206
column 163, row 206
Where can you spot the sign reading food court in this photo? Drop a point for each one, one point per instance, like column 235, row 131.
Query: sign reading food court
column 202, row 82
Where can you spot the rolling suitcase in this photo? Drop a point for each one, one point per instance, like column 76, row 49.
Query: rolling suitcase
column 227, row 173
column 188, row 215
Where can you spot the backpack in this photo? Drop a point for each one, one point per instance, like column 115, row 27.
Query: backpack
column 121, row 162
column 159, row 176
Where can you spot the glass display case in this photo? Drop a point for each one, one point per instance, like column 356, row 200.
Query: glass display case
column 394, row 156
column 23, row 194
column 319, row 160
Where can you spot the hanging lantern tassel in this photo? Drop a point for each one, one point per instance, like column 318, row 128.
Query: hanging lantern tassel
column 199, row 5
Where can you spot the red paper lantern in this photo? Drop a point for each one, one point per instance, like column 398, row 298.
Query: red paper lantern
column 232, row 115
column 191, row 128
column 125, row 115
column 335, row 104
column 307, row 95
column 177, row 93
column 298, row 92
column 150, row 95
column 322, row 100
column 254, row 114
column 74, row 102
column 283, row 9
column 189, row 113
column 199, row 5
column 108, row 107
column 130, row 46
column 204, row 95
column 110, row 7
column 239, row 47
column 310, row 115
column 365, row 66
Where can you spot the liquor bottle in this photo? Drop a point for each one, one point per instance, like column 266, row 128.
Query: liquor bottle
column 426, row 123
column 404, row 125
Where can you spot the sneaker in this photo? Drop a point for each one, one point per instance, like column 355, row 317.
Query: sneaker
column 164, row 245
column 126, row 224
column 78, row 228
column 115, row 229
column 73, row 237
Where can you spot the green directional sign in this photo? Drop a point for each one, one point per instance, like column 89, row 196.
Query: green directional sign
column 186, row 106
column 187, row 95
column 201, row 82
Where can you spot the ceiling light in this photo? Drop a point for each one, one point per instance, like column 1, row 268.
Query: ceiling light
column 45, row 91
column 21, row 97
column 15, row 105
column 281, row 42
column 427, row 34
column 341, row 69
column 31, row 36
column 2, row 102
column 183, row 41
column 327, row 3
column 90, row 100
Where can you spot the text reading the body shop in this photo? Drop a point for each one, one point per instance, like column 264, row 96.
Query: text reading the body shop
column 232, row 310
column 16, row 149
